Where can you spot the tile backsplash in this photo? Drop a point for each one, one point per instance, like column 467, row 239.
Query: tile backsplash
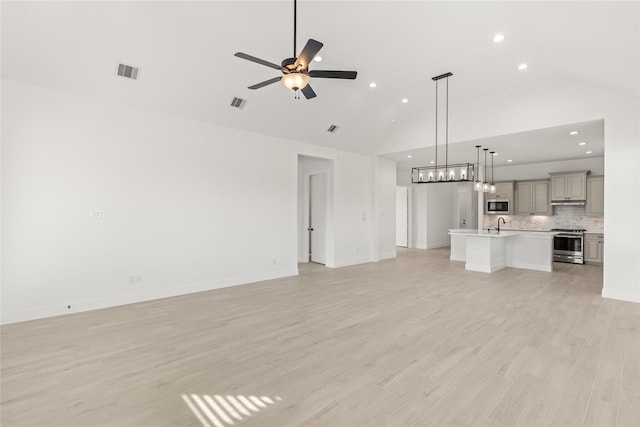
column 563, row 217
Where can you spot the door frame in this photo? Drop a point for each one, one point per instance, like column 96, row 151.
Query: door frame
column 306, row 200
column 308, row 252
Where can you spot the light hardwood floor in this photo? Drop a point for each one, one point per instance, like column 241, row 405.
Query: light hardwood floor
column 412, row 341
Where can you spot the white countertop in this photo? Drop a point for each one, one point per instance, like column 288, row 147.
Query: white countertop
column 503, row 233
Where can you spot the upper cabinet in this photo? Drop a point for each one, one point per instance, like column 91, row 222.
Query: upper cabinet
column 532, row 198
column 504, row 190
column 569, row 186
column 595, row 195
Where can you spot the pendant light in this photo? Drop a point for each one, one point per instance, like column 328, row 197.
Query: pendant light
column 485, row 183
column 492, row 187
column 478, row 185
column 462, row 172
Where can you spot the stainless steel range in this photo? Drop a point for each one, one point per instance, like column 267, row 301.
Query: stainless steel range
column 568, row 245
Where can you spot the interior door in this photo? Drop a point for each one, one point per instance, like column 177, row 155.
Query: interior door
column 402, row 216
column 317, row 218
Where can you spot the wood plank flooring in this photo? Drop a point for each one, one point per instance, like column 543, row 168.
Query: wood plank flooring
column 415, row 340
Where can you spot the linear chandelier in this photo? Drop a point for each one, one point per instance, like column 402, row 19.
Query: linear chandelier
column 459, row 172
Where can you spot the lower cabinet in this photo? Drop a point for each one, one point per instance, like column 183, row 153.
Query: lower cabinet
column 532, row 198
column 593, row 248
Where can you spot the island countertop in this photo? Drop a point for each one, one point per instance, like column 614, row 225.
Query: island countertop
column 489, row 251
column 503, row 233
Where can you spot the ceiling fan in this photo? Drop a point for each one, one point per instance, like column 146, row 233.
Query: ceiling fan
column 296, row 73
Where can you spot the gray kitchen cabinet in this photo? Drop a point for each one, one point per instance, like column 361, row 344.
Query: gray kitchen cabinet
column 595, row 196
column 569, row 186
column 532, row 198
column 594, row 248
column 504, row 190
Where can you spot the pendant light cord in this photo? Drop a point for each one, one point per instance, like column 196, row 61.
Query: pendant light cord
column 477, row 163
column 492, row 153
column 484, row 176
column 437, row 176
column 446, row 133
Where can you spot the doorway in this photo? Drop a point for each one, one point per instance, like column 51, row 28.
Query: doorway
column 317, row 218
column 315, row 211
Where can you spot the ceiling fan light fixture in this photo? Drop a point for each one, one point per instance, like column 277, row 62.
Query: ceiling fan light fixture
column 295, row 81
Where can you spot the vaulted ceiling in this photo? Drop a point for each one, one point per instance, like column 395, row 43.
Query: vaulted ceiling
column 185, row 51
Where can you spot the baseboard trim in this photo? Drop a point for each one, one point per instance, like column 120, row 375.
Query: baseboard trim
column 438, row 245
column 132, row 298
column 388, row 255
column 351, row 261
column 536, row 267
column 483, row 268
column 621, row 295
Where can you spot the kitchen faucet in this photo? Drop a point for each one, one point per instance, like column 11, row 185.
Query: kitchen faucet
column 503, row 221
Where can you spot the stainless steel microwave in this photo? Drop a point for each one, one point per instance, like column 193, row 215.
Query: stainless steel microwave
column 495, row 207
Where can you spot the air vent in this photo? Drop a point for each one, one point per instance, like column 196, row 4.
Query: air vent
column 237, row 102
column 332, row 129
column 128, row 71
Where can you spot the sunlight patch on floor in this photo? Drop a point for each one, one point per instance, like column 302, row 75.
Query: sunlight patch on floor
column 223, row 411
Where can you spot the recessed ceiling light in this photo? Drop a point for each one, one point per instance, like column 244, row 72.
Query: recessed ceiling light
column 372, row 84
column 498, row 38
column 317, row 58
column 509, row 160
column 409, row 156
column 574, row 132
column 582, row 143
column 496, row 154
column 405, row 100
column 522, row 67
column 588, row 152
column 432, row 162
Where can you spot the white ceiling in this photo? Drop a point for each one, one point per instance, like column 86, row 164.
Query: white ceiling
column 185, row 53
column 536, row 146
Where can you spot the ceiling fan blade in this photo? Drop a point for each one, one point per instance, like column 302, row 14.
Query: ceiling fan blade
column 324, row 74
column 308, row 53
column 308, row 92
column 265, row 83
column 258, row 60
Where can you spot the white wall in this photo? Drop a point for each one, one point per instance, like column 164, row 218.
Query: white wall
column 386, row 207
column 442, row 202
column 434, row 212
column 418, row 230
column 554, row 102
column 542, row 170
column 189, row 206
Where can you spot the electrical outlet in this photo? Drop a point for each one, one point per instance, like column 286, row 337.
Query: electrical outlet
column 97, row 214
column 135, row 278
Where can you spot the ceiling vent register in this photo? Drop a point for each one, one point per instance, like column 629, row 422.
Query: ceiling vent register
column 237, row 102
column 128, row 71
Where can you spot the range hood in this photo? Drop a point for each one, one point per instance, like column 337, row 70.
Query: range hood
column 568, row 202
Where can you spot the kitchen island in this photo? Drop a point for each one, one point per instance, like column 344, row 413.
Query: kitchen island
column 490, row 251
